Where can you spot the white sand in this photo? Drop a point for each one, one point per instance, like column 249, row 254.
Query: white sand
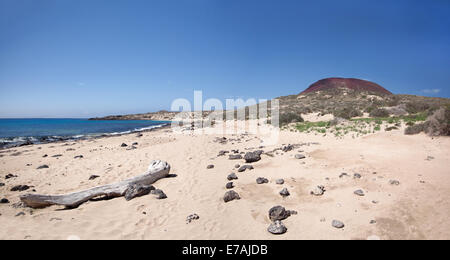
column 412, row 210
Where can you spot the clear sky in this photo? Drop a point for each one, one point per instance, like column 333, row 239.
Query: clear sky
column 83, row 58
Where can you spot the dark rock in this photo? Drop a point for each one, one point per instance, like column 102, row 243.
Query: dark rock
column 262, row 180
column 159, row 194
column 222, row 153
column 9, row 176
column 278, row 213
column 287, row 148
column 245, row 167
column 43, row 167
column 373, row 222
column 93, row 177
column 70, row 149
column 79, row 157
column 4, row 201
column 284, row 192
column 139, row 135
column 237, row 166
column 277, row 228
column 235, row 157
column 232, row 176
column 45, row 155
column 251, row 157
column 123, row 145
column 357, row 176
column 191, row 218
column 318, row 191
column 20, row 188
column 135, row 143
column 359, row 192
column 343, row 175
column 210, row 166
column 20, row 214
column 229, row 185
column 137, row 190
column 337, row 224
column 2, row 184
column 394, row 182
column 57, row 155
column 279, row 181
column 300, row 156
column 231, row 195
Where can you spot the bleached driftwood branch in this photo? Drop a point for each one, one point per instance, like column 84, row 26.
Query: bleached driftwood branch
column 156, row 170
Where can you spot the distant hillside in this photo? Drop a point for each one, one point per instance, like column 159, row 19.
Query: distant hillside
column 346, row 83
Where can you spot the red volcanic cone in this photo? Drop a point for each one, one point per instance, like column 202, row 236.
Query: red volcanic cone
column 355, row 84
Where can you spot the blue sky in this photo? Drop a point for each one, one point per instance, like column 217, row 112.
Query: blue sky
column 83, row 58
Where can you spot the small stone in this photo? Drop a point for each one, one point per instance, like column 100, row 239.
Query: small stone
column 300, row 156
column 9, row 176
column 357, row 176
column 287, row 148
column 229, row 185
column 343, row 175
column 231, row 195
column 374, row 202
column 137, row 190
column 279, row 181
column 245, row 167
column 4, row 201
column 57, row 155
column 318, row 191
column 20, row 214
column 20, row 188
column 2, row 184
column 210, row 166
column 43, row 167
column 373, row 222
column 232, row 176
column 191, row 218
column 284, row 192
column 261, row 180
column 394, row 182
column 45, row 155
column 337, row 224
column 277, row 228
column 159, row 194
column 237, row 166
column 123, row 145
column 235, row 157
column 359, row 192
column 93, row 177
column 135, row 143
column 78, row 157
column 278, row 213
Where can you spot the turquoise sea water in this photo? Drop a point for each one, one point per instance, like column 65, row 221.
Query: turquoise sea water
column 25, row 131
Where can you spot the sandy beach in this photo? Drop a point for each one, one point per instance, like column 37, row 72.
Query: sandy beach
column 417, row 208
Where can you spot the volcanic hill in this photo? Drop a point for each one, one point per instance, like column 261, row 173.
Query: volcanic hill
column 349, row 83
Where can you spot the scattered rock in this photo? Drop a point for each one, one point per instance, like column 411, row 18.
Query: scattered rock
column 245, row 167
column 229, row 185
column 79, row 157
column 139, row 135
column 262, row 180
column 222, row 153
column 235, row 157
column 232, row 176
column 277, row 228
column 20, row 188
column 191, row 218
column 287, row 148
column 237, row 166
column 137, row 190
column 2, row 184
column 4, row 201
column 359, row 192
column 9, row 176
column 343, row 175
column 251, row 157
column 20, row 214
column 210, row 166
column 300, row 156
column 373, row 222
column 159, row 194
column 337, row 224
column 318, row 191
column 231, row 195
column 70, row 149
column 357, row 176
column 43, row 167
column 278, row 213
column 279, row 181
column 135, row 143
column 93, row 177
column 284, row 192
column 57, row 155
column 45, row 155
column 429, row 158
column 123, row 145
column 394, row 182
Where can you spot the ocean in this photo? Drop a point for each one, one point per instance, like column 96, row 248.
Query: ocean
column 15, row 132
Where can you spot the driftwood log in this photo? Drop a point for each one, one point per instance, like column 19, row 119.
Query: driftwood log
column 156, row 170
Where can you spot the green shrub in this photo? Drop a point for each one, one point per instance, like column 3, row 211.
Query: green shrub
column 347, row 113
column 415, row 129
column 288, row 118
column 379, row 112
